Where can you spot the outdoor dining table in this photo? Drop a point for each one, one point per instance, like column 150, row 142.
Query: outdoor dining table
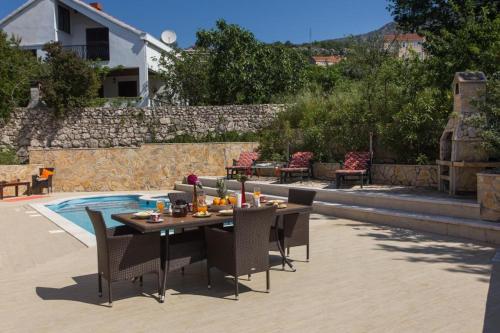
column 189, row 221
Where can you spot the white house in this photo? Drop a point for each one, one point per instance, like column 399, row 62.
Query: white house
column 405, row 44
column 95, row 35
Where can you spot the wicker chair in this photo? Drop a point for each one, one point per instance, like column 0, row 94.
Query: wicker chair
column 124, row 253
column 174, row 196
column 244, row 249
column 293, row 230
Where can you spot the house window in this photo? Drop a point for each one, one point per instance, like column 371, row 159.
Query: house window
column 98, row 44
column 63, row 23
column 127, row 88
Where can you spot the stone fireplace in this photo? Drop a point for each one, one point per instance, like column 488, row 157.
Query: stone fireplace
column 461, row 155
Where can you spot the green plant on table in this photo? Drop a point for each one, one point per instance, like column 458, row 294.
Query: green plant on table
column 221, row 188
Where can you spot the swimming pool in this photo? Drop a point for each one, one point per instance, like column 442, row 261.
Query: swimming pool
column 74, row 209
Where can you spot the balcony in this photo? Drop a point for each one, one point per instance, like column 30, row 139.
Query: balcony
column 90, row 52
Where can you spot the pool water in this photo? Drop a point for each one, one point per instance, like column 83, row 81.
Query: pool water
column 74, row 210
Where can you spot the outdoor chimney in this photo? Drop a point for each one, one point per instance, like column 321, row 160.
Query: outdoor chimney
column 461, row 155
column 96, row 5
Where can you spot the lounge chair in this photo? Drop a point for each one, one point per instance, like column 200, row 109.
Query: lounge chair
column 244, row 249
column 293, row 230
column 42, row 180
column 300, row 164
column 355, row 165
column 243, row 164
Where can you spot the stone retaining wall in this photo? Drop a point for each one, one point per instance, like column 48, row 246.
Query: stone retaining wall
column 488, row 196
column 127, row 127
column 387, row 174
column 21, row 172
column 149, row 167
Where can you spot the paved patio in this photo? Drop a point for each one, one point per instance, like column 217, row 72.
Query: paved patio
column 361, row 278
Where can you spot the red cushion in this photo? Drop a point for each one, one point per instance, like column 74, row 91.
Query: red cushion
column 246, row 159
column 351, row 172
column 294, row 169
column 356, row 160
column 301, row 159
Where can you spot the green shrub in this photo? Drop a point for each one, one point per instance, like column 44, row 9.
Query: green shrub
column 68, row 81
column 17, row 69
column 8, row 156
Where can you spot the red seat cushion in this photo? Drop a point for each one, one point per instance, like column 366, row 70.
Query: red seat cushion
column 301, row 159
column 294, row 169
column 351, row 172
column 356, row 160
column 247, row 158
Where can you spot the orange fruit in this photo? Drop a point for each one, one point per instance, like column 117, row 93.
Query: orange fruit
column 216, row 201
column 222, row 202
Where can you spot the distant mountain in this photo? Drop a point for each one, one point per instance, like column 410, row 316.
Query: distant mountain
column 389, row 28
column 337, row 46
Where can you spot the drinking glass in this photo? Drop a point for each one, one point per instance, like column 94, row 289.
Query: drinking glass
column 160, row 206
column 202, row 203
column 232, row 199
column 256, row 191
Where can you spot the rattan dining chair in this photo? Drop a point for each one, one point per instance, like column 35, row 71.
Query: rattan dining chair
column 184, row 196
column 124, row 253
column 293, row 230
column 243, row 249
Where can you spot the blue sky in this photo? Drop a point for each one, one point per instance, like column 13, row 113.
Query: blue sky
column 269, row 20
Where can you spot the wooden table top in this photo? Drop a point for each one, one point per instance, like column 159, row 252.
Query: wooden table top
column 189, row 221
column 14, row 183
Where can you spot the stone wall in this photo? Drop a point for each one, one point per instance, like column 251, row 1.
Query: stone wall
column 387, row 174
column 488, row 196
column 21, row 172
column 402, row 174
column 149, row 167
column 127, row 127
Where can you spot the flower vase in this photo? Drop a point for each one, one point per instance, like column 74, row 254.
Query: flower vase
column 243, row 197
column 195, row 199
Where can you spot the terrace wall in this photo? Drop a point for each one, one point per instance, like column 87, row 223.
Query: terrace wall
column 387, row 174
column 127, row 127
column 149, row 167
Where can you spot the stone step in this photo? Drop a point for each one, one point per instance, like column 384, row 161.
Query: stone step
column 461, row 208
column 472, row 229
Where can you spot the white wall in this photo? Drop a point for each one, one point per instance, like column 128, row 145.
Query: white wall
column 35, row 25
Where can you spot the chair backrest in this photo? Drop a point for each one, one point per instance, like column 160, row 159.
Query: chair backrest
column 301, row 197
column 101, row 237
column 252, row 227
column 301, row 159
column 185, row 196
column 356, row 160
column 247, row 158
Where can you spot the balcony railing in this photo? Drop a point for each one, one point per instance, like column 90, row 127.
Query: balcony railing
column 90, row 52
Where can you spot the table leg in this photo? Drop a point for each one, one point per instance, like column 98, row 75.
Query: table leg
column 28, row 189
column 281, row 250
column 17, row 190
column 164, row 265
column 1, row 192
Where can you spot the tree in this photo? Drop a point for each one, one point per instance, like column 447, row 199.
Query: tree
column 460, row 34
column 230, row 66
column 488, row 120
column 68, row 81
column 18, row 68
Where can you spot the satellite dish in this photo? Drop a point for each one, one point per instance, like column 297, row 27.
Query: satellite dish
column 168, row 37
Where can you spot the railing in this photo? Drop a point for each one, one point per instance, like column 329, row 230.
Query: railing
column 90, row 52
